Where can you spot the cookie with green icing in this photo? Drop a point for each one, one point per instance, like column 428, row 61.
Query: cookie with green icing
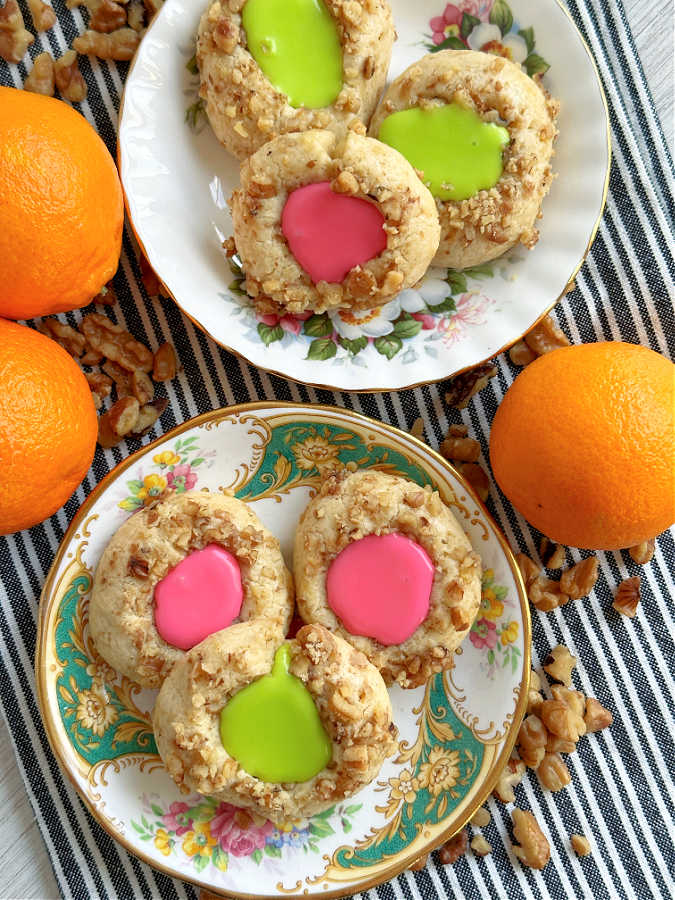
column 284, row 728
column 480, row 131
column 269, row 67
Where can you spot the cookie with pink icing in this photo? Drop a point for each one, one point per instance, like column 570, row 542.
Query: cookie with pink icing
column 322, row 222
column 174, row 573
column 385, row 564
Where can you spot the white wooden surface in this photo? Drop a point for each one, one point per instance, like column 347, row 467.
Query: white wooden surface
column 25, row 870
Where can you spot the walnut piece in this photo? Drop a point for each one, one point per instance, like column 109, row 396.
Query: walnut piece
column 561, row 720
column 521, row 355
column 580, row 844
column 553, row 772
column 164, row 363
column 142, row 387
column 451, row 851
column 420, row 863
column 148, row 415
column 552, row 555
column 528, row 568
column 533, row 848
column 136, row 15
column 559, row 664
column 43, row 16
column 627, row 597
column 477, row 478
column 643, row 553
column 545, row 594
column 480, row 846
column 119, row 421
column 69, row 81
column 115, row 343
column 14, row 38
column 106, row 16
column 535, row 680
column 41, row 78
column 580, row 580
column 596, row 716
column 509, row 779
column 120, row 376
column 462, row 449
column 556, row 744
column 546, row 336
column 100, row 385
column 65, row 335
column 534, row 701
column 464, row 386
column 532, row 741
column 120, row 44
column 481, row 817
column 574, row 699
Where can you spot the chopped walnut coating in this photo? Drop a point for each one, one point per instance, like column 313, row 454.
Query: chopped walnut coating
column 580, row 580
column 116, row 343
column 580, row 844
column 164, row 364
column 43, row 16
column 521, row 355
column 546, row 336
column 120, row 44
column 480, row 846
column 69, row 81
column 596, row 716
column 559, row 664
column 643, row 553
column 464, row 386
column 553, row 772
column 562, row 721
column 509, row 779
column 533, row 848
column 14, row 38
column 451, row 851
column 481, row 817
column 41, row 78
column 627, row 597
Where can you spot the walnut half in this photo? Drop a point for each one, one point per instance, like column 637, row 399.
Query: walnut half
column 533, row 848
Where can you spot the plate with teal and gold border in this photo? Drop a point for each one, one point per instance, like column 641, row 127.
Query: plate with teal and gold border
column 455, row 733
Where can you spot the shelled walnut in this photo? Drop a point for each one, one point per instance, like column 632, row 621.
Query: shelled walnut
column 15, row 39
column 553, row 772
column 43, row 16
column 41, row 77
column 120, row 44
column 451, row 851
column 627, row 597
column 509, row 779
column 546, row 336
column 68, row 78
column 643, row 553
column 580, row 580
column 533, row 848
column 559, row 664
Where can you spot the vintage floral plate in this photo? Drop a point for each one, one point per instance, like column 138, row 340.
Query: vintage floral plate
column 177, row 178
column 456, row 733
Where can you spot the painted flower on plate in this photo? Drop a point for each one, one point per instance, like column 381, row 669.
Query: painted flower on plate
column 352, row 324
column 175, row 820
column 488, row 38
column 471, row 310
column 441, row 771
column 404, row 787
column 199, row 840
column 239, row 831
column 153, row 486
column 181, row 478
column 509, row 634
column 166, row 458
column 94, row 712
column 162, row 841
column 491, row 606
column 316, row 452
column 483, row 634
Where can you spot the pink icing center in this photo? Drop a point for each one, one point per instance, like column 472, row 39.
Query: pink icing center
column 379, row 587
column 200, row 595
column 330, row 233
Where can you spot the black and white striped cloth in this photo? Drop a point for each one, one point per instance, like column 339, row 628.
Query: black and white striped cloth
column 622, row 790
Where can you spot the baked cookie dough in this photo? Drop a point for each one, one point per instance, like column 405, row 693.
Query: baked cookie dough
column 210, row 544
column 483, row 225
column 349, row 511
column 351, row 699
column 244, row 106
column 353, row 210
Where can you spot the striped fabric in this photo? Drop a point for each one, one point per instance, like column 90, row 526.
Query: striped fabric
column 621, row 795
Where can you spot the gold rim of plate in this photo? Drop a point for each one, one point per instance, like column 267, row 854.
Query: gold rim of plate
column 46, row 599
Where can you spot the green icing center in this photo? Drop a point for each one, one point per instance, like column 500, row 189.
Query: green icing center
column 296, row 44
column 272, row 727
column 458, row 153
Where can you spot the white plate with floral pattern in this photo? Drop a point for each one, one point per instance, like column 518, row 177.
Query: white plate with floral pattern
column 176, row 178
column 455, row 734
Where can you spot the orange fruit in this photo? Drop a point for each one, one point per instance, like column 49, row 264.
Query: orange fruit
column 583, row 445
column 61, row 208
column 48, row 426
